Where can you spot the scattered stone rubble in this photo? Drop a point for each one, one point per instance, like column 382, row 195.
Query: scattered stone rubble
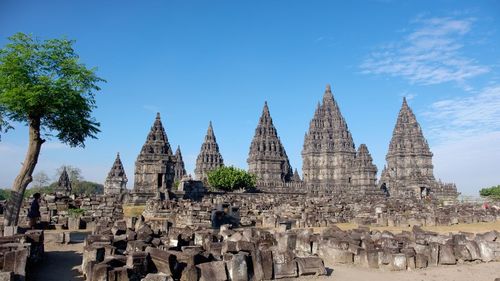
column 18, row 252
column 128, row 250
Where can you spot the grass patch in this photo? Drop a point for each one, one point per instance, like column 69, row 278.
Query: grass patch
column 133, row 211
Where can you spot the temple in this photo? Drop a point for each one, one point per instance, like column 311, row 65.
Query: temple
column 364, row 172
column 179, row 169
column 154, row 168
column 328, row 151
column 63, row 184
column 209, row 158
column 267, row 157
column 116, row 182
column 409, row 171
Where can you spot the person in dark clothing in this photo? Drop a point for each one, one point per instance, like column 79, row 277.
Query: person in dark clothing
column 34, row 211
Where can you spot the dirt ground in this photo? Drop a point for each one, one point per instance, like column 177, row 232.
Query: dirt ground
column 463, row 272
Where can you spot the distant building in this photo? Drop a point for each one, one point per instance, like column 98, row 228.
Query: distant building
column 267, row 157
column 409, row 171
column 155, row 165
column 210, row 157
column 116, row 182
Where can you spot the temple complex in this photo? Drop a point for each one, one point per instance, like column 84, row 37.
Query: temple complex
column 409, row 171
column 116, row 182
column 364, row 172
column 63, row 184
column 179, row 169
column 329, row 150
column 209, row 158
column 267, row 157
column 154, row 167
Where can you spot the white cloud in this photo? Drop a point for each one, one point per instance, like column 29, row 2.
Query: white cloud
column 467, row 136
column 430, row 54
column 459, row 118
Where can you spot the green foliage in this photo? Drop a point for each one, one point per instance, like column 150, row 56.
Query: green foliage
column 4, row 194
column 42, row 190
column 491, row 192
column 87, row 188
column 43, row 81
column 230, row 178
column 76, row 212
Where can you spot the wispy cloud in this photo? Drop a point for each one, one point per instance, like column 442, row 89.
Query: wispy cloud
column 431, row 53
column 458, row 118
column 466, row 136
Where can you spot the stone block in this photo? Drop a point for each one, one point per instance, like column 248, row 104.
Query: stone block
column 157, row 277
column 446, row 254
column 163, row 261
column 237, row 267
column 310, row 266
column 7, row 276
column 213, row 271
column 284, row 265
column 398, row 262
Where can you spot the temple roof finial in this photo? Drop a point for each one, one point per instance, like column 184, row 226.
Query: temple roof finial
column 328, row 88
column 157, row 115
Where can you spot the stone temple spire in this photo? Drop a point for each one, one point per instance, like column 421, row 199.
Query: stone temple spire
column 296, row 176
column 364, row 172
column 209, row 158
column 116, row 182
column 180, row 170
column 63, row 184
column 409, row 159
column 267, row 157
column 154, row 167
column 328, row 149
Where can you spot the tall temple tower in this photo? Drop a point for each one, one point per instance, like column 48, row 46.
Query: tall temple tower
column 209, row 158
column 154, row 167
column 328, row 151
column 180, row 170
column 267, row 157
column 63, row 184
column 364, row 172
column 409, row 171
column 116, row 182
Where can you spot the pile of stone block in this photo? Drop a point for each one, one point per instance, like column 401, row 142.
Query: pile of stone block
column 408, row 250
column 18, row 252
column 133, row 251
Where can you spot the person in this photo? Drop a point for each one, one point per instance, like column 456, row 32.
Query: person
column 34, row 211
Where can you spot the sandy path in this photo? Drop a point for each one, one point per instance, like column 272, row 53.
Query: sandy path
column 463, row 272
column 61, row 262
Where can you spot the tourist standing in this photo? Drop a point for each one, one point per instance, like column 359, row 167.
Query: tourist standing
column 34, row 211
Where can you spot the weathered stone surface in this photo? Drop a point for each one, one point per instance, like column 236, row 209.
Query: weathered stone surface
column 215, row 271
column 116, row 181
column 267, row 157
column 209, row 158
column 237, row 267
column 284, row 265
column 311, row 265
column 398, row 262
column 446, row 255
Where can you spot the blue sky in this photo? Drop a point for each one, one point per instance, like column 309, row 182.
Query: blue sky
column 196, row 61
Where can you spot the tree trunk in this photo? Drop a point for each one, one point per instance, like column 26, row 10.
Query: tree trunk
column 25, row 175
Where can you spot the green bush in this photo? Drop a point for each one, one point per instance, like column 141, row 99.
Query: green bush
column 491, row 192
column 77, row 212
column 230, row 178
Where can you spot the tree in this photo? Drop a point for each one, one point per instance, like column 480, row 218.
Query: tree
column 44, row 86
column 74, row 173
column 230, row 178
column 40, row 180
column 491, row 192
